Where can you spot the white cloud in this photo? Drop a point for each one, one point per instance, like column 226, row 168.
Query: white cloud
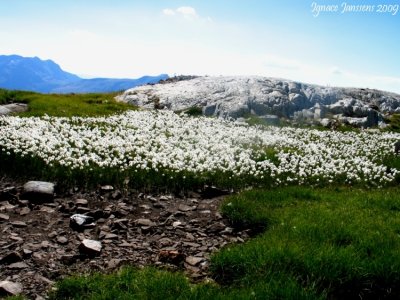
column 168, row 12
column 187, row 12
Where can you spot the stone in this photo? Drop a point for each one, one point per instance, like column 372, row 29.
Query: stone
column 186, row 208
column 19, row 224
column 8, row 193
column 47, row 209
column 27, row 253
column 145, row 222
column 18, row 266
column 81, row 202
column 81, row 222
column 111, row 236
column 90, row 247
column 68, row 259
column 193, row 260
column 107, row 188
column 62, row 240
column 38, row 191
column 6, row 206
column 9, row 288
column 216, row 227
column 114, row 263
column 171, row 256
column 4, row 217
column 24, row 211
column 116, row 195
column 10, row 258
column 325, row 122
column 159, row 205
column 176, row 224
column 209, row 110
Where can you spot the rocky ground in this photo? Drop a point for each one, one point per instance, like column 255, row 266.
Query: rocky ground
column 40, row 242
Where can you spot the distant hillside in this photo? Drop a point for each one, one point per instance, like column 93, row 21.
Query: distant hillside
column 45, row 76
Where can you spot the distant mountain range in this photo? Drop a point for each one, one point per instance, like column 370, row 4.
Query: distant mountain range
column 45, row 76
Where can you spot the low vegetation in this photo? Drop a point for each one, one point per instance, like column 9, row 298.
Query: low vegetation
column 393, row 122
column 333, row 242
column 164, row 149
column 65, row 105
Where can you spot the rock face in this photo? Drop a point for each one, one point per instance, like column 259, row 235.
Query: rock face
column 268, row 98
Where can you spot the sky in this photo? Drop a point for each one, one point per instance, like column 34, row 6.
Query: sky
column 285, row 39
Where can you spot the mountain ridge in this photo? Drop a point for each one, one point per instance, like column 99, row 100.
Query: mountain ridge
column 46, row 76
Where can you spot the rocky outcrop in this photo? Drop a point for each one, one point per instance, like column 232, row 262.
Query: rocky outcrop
column 268, row 98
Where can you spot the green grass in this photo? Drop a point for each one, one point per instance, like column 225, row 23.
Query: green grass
column 152, row 284
column 7, row 96
column 65, row 105
column 334, row 242
column 394, row 123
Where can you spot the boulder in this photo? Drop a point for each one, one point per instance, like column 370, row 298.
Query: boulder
column 38, row 192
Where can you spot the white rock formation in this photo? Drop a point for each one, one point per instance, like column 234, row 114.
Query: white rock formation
column 241, row 96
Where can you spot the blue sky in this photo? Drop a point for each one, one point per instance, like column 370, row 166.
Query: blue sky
column 283, row 38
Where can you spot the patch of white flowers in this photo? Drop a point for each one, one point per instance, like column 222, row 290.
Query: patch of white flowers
column 163, row 140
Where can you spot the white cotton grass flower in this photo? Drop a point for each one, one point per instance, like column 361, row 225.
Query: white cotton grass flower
column 163, row 141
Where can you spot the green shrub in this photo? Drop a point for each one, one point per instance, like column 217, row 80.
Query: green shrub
column 194, row 111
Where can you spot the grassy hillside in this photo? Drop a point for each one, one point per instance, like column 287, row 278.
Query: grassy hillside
column 65, row 105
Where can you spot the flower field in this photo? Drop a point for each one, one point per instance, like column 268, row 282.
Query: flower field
column 162, row 146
